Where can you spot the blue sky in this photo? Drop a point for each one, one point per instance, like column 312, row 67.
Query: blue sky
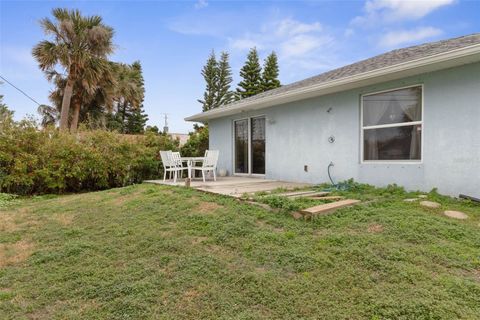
column 173, row 39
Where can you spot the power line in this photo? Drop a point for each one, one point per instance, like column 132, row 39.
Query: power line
column 23, row 92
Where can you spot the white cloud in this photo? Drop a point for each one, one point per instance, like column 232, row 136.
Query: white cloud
column 292, row 40
column 401, row 37
column 349, row 32
column 290, row 27
column 244, row 43
column 201, row 4
column 301, row 44
column 387, row 11
column 303, row 48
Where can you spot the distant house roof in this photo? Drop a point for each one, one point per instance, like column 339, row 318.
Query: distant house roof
column 396, row 64
column 182, row 137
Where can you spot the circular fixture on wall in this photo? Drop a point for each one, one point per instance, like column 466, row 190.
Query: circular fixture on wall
column 331, row 139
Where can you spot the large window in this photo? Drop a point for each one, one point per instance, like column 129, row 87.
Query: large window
column 392, row 125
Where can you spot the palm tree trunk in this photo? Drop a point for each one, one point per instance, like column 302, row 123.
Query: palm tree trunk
column 76, row 115
column 67, row 96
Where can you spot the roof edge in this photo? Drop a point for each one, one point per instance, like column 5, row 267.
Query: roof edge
column 301, row 93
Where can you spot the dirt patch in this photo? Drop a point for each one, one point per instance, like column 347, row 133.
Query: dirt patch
column 165, row 233
column 375, row 228
column 13, row 253
column 260, row 270
column 12, row 221
column 199, row 240
column 119, row 199
column 7, row 223
column 225, row 254
column 48, row 311
column 92, row 197
column 476, row 273
column 265, row 225
column 207, row 207
column 63, row 218
column 190, row 295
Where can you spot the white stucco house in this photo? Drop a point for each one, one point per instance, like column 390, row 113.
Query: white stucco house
column 410, row 116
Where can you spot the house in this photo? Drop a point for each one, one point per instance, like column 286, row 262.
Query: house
column 410, row 116
column 181, row 137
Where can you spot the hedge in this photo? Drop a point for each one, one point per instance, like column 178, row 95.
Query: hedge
column 36, row 161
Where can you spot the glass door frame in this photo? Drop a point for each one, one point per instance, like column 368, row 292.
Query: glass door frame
column 249, row 121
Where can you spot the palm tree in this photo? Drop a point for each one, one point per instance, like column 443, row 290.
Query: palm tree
column 80, row 46
column 48, row 113
column 85, row 99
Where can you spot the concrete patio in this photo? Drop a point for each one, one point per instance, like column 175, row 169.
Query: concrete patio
column 234, row 186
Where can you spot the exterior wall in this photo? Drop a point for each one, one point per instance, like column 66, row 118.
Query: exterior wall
column 297, row 135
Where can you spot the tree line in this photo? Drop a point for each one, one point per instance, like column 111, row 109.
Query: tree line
column 255, row 78
column 88, row 87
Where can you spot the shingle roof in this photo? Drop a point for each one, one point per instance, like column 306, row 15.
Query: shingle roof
column 383, row 60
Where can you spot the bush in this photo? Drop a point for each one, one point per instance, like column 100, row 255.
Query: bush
column 6, row 199
column 34, row 161
column 197, row 143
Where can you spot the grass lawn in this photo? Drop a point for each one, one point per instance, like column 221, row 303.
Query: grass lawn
column 153, row 252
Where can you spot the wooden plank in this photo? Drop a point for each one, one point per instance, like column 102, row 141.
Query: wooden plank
column 315, row 194
column 238, row 191
column 329, row 207
column 257, row 187
column 296, row 193
column 326, row 198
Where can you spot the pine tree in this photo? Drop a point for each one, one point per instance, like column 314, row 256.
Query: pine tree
column 224, row 80
column 251, row 73
column 270, row 73
column 128, row 97
column 136, row 120
column 210, row 74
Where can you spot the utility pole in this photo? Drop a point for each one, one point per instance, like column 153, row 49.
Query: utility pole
column 165, row 127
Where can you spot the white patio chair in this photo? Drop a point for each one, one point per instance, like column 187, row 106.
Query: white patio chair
column 209, row 164
column 170, row 165
column 177, row 160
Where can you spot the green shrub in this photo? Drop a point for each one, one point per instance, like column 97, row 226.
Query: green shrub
column 197, row 143
column 280, row 202
column 34, row 161
column 6, row 199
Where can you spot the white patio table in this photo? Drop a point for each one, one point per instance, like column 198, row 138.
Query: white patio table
column 191, row 162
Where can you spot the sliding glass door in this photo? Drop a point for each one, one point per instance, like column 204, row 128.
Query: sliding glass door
column 258, row 145
column 249, row 144
column 241, row 146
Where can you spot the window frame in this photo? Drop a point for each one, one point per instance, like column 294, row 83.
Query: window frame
column 392, row 125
